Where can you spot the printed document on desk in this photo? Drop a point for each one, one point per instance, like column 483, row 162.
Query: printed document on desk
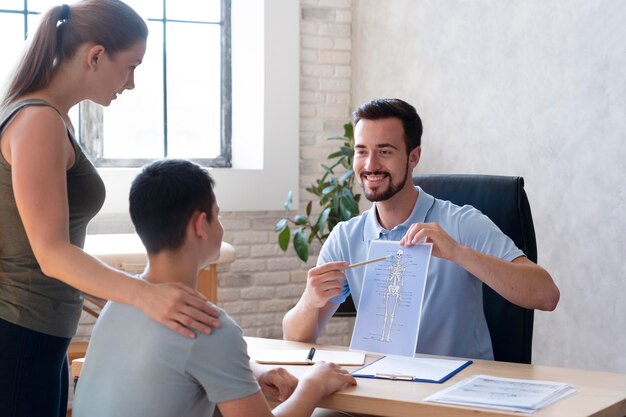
column 519, row 395
column 390, row 305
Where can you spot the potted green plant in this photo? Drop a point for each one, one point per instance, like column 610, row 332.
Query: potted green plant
column 333, row 192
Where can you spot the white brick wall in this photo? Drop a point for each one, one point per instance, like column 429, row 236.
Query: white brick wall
column 263, row 282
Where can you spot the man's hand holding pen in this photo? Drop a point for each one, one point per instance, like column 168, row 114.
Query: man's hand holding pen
column 326, row 281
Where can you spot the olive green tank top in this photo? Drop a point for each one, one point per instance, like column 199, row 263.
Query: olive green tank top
column 29, row 298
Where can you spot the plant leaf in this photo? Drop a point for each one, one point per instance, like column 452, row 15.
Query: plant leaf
column 329, row 189
column 300, row 219
column 289, row 202
column 280, row 226
column 345, row 214
column 345, row 151
column 346, row 176
column 350, row 205
column 283, row 239
column 313, row 234
column 348, row 130
column 309, row 206
column 322, row 219
column 301, row 244
column 328, row 169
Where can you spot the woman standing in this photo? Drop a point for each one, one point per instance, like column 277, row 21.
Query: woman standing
column 49, row 191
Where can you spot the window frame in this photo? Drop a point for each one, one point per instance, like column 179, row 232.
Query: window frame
column 91, row 135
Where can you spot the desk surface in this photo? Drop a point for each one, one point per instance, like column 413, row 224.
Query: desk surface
column 599, row 393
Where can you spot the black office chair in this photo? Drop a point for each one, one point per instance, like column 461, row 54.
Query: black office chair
column 504, row 201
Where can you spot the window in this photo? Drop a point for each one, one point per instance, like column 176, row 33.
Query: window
column 265, row 107
column 17, row 19
column 181, row 105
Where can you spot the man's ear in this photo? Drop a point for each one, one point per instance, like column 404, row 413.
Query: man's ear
column 94, row 56
column 414, row 156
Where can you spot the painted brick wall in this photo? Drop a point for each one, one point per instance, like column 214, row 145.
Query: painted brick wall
column 263, row 282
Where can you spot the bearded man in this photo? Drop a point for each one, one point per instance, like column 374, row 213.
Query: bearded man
column 468, row 248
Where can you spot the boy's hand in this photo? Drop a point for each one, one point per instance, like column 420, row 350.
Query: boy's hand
column 179, row 307
column 277, row 383
column 326, row 378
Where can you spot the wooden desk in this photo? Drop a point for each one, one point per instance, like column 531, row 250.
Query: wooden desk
column 126, row 252
column 600, row 394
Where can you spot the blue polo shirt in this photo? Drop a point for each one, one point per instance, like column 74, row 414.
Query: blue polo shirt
column 453, row 322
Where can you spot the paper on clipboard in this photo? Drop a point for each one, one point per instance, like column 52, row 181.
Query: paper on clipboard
column 412, row 369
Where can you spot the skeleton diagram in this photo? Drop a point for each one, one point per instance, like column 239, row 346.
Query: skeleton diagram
column 393, row 294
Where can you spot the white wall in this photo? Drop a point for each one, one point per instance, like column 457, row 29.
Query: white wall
column 533, row 88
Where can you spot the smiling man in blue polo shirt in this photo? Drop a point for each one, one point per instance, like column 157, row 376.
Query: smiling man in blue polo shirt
column 468, row 249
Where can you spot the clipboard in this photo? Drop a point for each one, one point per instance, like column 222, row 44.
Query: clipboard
column 414, row 369
column 308, row 357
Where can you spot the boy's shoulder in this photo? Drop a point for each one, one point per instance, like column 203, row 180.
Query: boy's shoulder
column 123, row 328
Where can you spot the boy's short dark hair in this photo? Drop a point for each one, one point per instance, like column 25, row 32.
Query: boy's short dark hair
column 383, row 108
column 162, row 199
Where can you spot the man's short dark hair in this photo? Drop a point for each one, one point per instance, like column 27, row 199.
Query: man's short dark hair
column 383, row 108
column 162, row 199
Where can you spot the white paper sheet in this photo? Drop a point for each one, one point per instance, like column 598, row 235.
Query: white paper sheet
column 390, row 306
column 521, row 395
column 412, row 369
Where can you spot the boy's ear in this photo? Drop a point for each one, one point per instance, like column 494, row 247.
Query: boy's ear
column 199, row 222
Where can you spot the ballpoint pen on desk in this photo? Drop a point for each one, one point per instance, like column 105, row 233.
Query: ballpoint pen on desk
column 382, row 258
column 309, row 358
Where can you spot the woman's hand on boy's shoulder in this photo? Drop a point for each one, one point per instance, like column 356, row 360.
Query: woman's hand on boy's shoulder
column 180, row 308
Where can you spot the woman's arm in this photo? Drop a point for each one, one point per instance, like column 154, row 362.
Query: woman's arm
column 40, row 154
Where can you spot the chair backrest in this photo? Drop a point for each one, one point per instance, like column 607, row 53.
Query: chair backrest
column 504, row 201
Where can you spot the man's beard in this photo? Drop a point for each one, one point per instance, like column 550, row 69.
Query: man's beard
column 391, row 190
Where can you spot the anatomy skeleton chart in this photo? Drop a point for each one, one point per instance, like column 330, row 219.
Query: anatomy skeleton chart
column 392, row 293
column 391, row 299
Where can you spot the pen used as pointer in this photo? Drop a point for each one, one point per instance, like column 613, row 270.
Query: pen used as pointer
column 382, row 258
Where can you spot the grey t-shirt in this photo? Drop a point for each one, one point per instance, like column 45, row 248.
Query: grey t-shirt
column 137, row 367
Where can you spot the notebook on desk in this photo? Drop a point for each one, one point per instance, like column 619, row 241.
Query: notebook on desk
column 304, row 357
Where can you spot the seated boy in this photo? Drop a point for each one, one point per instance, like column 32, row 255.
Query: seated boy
column 136, row 367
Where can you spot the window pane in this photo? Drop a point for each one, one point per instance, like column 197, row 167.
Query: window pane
column 148, row 9
column 42, row 6
column 199, row 10
column 33, row 24
column 193, row 89
column 12, row 4
column 133, row 124
column 12, row 35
